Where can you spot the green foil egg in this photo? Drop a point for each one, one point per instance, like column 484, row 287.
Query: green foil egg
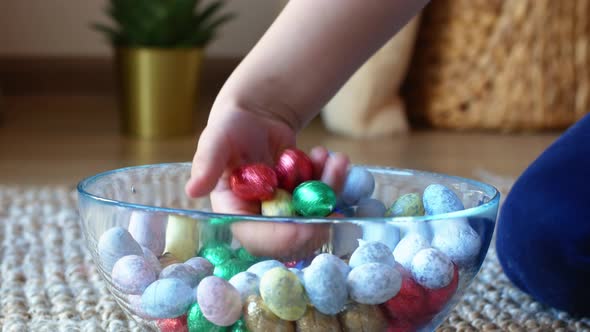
column 198, row 323
column 283, row 293
column 244, row 255
column 239, row 326
column 280, row 206
column 231, row 267
column 217, row 253
column 314, row 199
column 408, row 205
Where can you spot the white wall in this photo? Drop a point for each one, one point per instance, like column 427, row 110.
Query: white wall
column 61, row 27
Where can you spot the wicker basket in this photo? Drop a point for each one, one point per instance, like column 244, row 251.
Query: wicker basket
column 514, row 65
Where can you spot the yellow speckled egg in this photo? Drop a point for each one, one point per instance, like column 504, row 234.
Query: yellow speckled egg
column 283, row 293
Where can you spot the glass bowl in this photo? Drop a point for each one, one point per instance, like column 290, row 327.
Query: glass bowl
column 396, row 291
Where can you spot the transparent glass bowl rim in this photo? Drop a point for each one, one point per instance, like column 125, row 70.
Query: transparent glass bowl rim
column 228, row 218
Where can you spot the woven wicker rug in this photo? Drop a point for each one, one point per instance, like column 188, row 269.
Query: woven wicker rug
column 48, row 281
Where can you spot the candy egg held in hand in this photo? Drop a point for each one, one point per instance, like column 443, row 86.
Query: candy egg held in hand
column 371, row 252
column 281, row 205
column 182, row 237
column 132, row 274
column 219, row 301
column 432, row 269
column 326, row 287
column 359, row 183
column 314, row 199
column 114, row 244
column 373, row 283
column 439, row 199
column 246, row 283
column 149, row 230
column 254, row 182
column 408, row 205
column 167, row 298
column 407, row 248
column 183, row 272
column 283, row 293
column 293, row 168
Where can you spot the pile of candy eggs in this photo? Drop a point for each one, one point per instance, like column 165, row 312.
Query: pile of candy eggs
column 394, row 278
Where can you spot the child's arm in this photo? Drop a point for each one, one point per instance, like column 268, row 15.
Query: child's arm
column 303, row 59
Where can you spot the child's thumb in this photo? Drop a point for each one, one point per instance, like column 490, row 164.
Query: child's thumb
column 208, row 165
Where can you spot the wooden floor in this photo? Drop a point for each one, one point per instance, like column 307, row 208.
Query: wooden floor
column 61, row 138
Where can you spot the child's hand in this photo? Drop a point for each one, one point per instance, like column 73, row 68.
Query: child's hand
column 242, row 137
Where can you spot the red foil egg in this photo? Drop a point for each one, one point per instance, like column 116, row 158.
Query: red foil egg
column 254, row 182
column 178, row 324
column 293, row 168
column 438, row 298
column 410, row 305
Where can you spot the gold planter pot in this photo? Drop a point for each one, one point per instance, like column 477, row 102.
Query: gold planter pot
column 158, row 90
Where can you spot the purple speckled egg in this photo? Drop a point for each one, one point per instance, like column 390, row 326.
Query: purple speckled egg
column 183, row 272
column 220, row 302
column 115, row 243
column 202, row 265
column 132, row 274
column 152, row 260
column 149, row 230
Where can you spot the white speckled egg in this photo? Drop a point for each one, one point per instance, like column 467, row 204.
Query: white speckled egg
column 432, row 269
column 407, row 248
column 456, row 239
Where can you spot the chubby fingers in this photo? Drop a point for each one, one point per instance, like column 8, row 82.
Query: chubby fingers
column 208, row 164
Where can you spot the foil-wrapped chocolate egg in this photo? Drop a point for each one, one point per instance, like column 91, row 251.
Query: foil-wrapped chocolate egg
column 281, row 205
column 178, row 324
column 254, row 182
column 293, row 168
column 315, row 321
column 314, row 199
column 198, row 323
column 259, row 318
column 231, row 267
column 217, row 253
column 363, row 317
column 182, row 237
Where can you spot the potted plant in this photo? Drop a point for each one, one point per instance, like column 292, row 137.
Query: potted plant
column 158, row 49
